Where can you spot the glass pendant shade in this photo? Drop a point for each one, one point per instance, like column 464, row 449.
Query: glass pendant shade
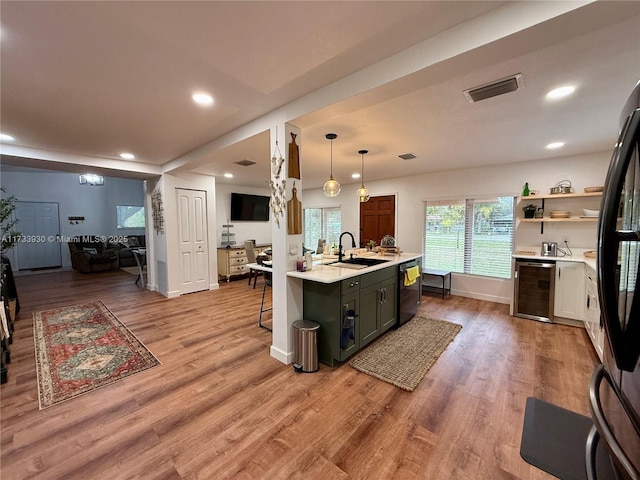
column 331, row 187
column 363, row 193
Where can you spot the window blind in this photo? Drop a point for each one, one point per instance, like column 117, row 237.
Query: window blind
column 473, row 236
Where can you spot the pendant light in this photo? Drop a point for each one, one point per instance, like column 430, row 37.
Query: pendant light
column 363, row 193
column 332, row 186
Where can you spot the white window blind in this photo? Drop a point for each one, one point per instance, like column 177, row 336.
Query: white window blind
column 321, row 223
column 472, row 236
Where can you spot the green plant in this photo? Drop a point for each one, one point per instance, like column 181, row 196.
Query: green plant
column 7, row 222
column 371, row 243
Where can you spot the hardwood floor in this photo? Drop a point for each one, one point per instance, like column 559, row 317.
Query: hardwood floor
column 219, row 407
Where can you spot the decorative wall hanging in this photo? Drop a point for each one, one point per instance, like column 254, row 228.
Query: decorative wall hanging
column 294, row 213
column 157, row 212
column 277, row 185
column 294, row 158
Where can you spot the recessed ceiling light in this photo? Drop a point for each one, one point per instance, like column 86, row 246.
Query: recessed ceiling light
column 127, row 156
column 202, row 98
column 554, row 145
column 355, row 175
column 561, row 92
column 228, row 175
column 6, row 138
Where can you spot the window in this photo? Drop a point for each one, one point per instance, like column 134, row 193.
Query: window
column 321, row 223
column 472, row 236
column 129, row 216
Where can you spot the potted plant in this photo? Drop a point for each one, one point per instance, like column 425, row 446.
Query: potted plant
column 529, row 210
column 371, row 244
column 7, row 221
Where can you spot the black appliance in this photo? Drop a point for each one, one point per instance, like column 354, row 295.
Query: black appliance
column 534, row 287
column 615, row 386
column 409, row 296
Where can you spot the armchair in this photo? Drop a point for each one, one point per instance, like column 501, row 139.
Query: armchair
column 91, row 256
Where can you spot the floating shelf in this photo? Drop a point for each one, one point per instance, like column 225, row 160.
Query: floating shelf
column 567, row 219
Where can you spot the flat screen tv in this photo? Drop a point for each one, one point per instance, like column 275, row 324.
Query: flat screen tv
column 251, row 208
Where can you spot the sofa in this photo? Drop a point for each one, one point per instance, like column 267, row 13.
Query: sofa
column 89, row 254
column 123, row 250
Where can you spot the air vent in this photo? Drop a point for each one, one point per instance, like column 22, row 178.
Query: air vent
column 245, row 163
column 407, row 156
column 493, row 89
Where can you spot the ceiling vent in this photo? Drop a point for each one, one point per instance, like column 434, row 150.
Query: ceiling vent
column 493, row 89
column 245, row 163
column 407, row 156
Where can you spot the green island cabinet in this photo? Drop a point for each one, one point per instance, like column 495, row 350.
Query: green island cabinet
column 373, row 298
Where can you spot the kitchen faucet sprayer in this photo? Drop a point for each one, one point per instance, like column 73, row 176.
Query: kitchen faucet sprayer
column 353, row 244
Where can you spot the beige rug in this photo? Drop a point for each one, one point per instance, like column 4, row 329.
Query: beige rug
column 404, row 356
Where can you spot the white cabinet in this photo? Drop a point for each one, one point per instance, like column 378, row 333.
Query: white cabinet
column 592, row 313
column 570, row 292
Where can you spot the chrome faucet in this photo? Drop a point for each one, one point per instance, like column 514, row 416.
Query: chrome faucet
column 353, row 244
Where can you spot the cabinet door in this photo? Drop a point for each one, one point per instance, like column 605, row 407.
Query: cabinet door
column 349, row 338
column 388, row 307
column 570, row 294
column 370, row 298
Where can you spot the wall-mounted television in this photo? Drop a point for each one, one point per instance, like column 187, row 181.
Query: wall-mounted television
column 251, row 208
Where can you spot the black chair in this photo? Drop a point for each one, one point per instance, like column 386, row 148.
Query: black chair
column 267, row 283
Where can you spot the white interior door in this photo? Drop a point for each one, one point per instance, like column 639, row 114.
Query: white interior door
column 39, row 223
column 193, row 246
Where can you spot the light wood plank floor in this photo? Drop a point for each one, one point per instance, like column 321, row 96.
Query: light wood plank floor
column 219, row 407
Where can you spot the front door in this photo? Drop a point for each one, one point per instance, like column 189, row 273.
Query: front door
column 192, row 240
column 39, row 224
column 377, row 219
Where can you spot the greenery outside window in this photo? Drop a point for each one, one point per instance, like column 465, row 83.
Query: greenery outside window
column 321, row 223
column 130, row 216
column 473, row 236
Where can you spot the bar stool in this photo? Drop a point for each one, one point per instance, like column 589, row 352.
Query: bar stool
column 267, row 283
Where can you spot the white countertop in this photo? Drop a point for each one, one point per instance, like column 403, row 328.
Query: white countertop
column 577, row 255
column 328, row 274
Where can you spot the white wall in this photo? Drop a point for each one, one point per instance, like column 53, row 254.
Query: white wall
column 96, row 204
column 258, row 231
column 411, row 192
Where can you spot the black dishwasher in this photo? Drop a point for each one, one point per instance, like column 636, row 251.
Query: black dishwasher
column 409, row 294
column 534, row 289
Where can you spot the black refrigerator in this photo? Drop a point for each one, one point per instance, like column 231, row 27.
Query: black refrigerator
column 615, row 386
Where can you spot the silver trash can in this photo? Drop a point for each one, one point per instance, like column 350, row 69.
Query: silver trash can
column 305, row 342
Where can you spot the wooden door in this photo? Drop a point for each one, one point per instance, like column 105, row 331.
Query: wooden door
column 377, row 219
column 192, row 240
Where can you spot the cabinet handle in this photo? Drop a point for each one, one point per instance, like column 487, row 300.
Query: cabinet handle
column 588, row 301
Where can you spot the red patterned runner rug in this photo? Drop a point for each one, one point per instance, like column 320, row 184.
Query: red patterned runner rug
column 81, row 348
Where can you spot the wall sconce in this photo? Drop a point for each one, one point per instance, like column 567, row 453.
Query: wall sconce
column 75, row 220
column 91, row 179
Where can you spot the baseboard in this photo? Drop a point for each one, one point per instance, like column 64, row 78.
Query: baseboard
column 482, row 296
column 284, row 357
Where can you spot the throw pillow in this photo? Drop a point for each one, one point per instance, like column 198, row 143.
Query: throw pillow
column 91, row 251
column 133, row 242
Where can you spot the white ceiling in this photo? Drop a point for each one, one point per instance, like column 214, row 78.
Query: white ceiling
column 83, row 81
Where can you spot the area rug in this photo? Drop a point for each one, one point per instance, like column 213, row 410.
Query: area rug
column 404, row 356
column 81, row 348
column 134, row 270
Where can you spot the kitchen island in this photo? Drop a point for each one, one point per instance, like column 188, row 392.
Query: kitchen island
column 353, row 304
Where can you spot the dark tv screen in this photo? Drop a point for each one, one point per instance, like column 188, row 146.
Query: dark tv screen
column 253, row 208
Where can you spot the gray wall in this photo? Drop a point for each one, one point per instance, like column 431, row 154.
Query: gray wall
column 96, row 204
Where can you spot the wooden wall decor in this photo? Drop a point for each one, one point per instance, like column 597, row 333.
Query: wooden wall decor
column 294, row 213
column 294, row 158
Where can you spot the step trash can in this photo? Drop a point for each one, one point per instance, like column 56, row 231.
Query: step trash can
column 305, row 343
